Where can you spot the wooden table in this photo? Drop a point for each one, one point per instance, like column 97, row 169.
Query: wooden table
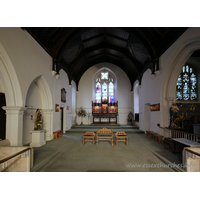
column 88, row 136
column 121, row 135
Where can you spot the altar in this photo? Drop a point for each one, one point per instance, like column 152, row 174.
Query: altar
column 105, row 113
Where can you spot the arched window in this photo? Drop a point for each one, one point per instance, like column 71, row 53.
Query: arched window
column 104, row 91
column 186, row 87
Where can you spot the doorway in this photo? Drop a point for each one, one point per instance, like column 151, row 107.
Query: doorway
column 2, row 117
column 147, row 117
column 61, row 118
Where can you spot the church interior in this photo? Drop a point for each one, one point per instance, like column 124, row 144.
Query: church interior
column 68, row 95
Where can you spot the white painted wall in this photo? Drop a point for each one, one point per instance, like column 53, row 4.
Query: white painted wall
column 30, row 61
column 124, row 94
column 149, row 93
column 62, row 82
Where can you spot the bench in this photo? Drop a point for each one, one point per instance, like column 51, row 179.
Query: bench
column 155, row 136
column 121, row 135
column 150, row 134
column 104, row 134
column 57, row 134
column 89, row 135
column 159, row 138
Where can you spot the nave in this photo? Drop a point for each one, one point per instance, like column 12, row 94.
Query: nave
column 67, row 154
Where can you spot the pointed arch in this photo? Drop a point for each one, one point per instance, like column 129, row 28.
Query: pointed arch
column 168, row 87
column 94, row 80
column 9, row 80
column 45, row 93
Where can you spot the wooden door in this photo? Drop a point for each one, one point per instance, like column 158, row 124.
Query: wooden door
column 2, row 117
column 61, row 118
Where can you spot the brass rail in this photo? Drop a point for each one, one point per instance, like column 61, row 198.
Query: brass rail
column 14, row 155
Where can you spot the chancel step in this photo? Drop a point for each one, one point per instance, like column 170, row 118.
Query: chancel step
column 115, row 128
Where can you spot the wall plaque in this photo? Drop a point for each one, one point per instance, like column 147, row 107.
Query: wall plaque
column 155, row 107
column 63, row 95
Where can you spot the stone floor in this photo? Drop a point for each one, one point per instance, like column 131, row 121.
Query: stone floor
column 67, row 154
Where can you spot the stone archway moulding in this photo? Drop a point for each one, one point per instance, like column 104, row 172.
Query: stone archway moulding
column 9, row 80
column 168, row 88
column 47, row 105
column 14, row 101
column 45, row 93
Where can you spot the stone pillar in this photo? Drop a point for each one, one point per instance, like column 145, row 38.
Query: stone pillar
column 14, row 124
column 48, row 123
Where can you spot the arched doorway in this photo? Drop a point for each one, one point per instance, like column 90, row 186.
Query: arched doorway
column 2, row 117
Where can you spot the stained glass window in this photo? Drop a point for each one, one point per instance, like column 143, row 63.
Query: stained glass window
column 104, row 92
column 111, row 92
column 104, row 75
column 186, row 87
column 98, row 92
column 104, row 88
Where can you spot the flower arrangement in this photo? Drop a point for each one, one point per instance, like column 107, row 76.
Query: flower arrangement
column 82, row 112
column 38, row 120
column 39, row 124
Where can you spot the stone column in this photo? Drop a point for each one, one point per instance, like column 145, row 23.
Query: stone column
column 14, row 124
column 48, row 123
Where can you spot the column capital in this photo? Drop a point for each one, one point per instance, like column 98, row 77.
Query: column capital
column 169, row 99
column 47, row 110
column 14, row 109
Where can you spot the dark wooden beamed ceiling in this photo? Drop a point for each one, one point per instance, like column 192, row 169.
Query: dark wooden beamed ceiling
column 134, row 49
